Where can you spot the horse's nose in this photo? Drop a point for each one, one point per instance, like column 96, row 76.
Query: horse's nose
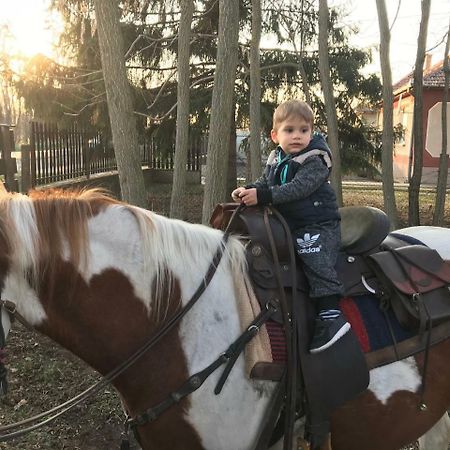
column 5, row 326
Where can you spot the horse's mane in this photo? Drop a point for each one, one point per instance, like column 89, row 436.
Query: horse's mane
column 41, row 228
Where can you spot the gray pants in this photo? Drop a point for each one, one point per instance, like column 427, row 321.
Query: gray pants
column 317, row 247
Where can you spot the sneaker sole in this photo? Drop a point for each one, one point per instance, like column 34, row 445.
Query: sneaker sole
column 344, row 329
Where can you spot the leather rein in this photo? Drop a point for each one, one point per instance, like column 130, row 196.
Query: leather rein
column 16, row 429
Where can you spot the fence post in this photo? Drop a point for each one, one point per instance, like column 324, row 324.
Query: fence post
column 7, row 137
column 33, row 126
column 26, row 184
column 86, row 154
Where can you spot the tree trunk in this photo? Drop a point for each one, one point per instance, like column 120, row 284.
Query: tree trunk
column 441, row 189
column 255, row 92
column 182, row 134
column 330, row 107
column 301, row 53
column 416, row 178
column 221, row 107
column 388, row 131
column 120, row 108
column 232, row 169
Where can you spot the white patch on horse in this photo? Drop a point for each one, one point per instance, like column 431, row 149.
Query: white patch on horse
column 17, row 288
column 252, row 397
column 434, row 237
column 22, row 214
column 118, row 226
column 27, row 302
column 438, row 437
column 399, row 376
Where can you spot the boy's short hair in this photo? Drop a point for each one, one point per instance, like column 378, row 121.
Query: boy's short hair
column 291, row 108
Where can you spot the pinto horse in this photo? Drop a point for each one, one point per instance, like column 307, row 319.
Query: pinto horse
column 100, row 277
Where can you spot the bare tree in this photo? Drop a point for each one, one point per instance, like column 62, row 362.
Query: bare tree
column 330, row 106
column 388, row 131
column 255, row 92
column 182, row 133
column 441, row 189
column 118, row 94
column 416, row 178
column 221, row 107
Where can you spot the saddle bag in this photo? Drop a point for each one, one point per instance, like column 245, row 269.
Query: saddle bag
column 415, row 281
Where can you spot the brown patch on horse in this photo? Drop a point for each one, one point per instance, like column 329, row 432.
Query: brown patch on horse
column 104, row 323
column 367, row 423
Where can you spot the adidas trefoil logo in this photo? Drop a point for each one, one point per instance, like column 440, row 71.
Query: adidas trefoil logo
column 308, row 240
column 306, row 244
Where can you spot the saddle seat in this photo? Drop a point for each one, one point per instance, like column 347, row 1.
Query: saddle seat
column 362, row 228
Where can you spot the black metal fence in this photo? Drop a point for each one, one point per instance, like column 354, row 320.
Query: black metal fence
column 61, row 154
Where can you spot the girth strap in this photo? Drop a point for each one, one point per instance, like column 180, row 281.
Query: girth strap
column 272, row 416
column 289, row 325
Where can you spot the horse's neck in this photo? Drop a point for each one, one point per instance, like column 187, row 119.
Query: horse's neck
column 102, row 315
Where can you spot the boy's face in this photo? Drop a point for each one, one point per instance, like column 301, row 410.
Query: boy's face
column 292, row 135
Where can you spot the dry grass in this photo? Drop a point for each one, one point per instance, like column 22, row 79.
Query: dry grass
column 372, row 196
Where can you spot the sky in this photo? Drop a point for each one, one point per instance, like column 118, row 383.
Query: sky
column 404, row 32
column 35, row 30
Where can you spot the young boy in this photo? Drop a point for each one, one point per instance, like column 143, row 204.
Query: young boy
column 295, row 181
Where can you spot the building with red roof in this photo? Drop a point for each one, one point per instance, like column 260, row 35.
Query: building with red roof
column 433, row 91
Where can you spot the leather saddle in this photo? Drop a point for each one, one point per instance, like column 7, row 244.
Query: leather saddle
column 269, row 240
column 370, row 261
column 362, row 231
column 412, row 280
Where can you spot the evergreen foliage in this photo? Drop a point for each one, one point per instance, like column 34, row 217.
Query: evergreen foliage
column 75, row 90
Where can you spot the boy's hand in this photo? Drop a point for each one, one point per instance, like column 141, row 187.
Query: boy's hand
column 235, row 195
column 249, row 197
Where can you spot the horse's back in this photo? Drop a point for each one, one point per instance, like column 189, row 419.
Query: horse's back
column 434, row 237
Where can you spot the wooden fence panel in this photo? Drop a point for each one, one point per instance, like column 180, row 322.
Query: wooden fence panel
column 61, row 154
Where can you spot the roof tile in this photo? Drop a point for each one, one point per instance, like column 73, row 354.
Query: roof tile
column 433, row 77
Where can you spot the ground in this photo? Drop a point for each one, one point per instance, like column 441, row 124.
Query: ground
column 42, row 375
